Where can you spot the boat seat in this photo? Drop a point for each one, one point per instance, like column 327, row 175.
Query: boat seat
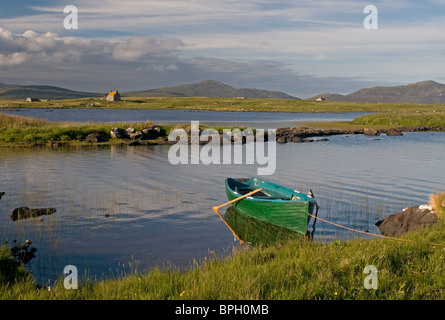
column 271, row 197
column 262, row 195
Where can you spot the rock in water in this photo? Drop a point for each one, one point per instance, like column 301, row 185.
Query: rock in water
column 26, row 213
column 394, row 132
column 2, row 194
column 115, row 133
column 370, row 132
column 410, row 219
column 95, row 138
column 151, row 133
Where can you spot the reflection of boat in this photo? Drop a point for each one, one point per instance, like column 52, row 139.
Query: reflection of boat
column 257, row 232
column 274, row 204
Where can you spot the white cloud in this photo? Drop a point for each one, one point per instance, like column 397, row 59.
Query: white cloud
column 12, row 59
column 136, row 64
column 259, row 41
column 136, row 48
column 38, row 47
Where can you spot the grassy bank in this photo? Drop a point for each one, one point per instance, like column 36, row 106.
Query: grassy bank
column 295, row 270
column 25, row 131
column 429, row 119
column 229, row 104
column 18, row 130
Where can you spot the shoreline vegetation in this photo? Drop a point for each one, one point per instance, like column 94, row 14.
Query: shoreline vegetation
column 292, row 270
column 17, row 131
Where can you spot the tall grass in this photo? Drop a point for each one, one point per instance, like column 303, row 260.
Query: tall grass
column 297, row 269
column 437, row 201
column 11, row 270
column 15, row 122
column 402, row 119
column 18, row 129
column 232, row 104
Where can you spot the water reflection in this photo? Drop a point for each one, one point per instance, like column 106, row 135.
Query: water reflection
column 266, row 120
column 121, row 204
column 257, row 232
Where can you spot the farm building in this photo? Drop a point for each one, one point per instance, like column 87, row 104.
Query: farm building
column 32, row 99
column 114, row 96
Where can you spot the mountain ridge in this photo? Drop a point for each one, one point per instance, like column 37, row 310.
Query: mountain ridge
column 19, row 92
column 212, row 89
column 206, row 88
column 424, row 92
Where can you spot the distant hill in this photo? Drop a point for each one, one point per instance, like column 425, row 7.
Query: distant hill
column 206, row 88
column 16, row 92
column 426, row 92
column 209, row 88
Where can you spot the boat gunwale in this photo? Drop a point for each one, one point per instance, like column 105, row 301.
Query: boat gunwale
column 303, row 198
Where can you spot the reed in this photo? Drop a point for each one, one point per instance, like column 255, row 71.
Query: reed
column 232, row 104
column 437, row 201
column 297, row 269
column 14, row 121
column 400, row 119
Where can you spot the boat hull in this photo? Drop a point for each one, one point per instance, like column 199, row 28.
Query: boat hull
column 278, row 205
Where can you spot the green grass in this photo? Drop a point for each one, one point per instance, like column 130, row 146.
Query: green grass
column 430, row 119
column 229, row 104
column 18, row 130
column 294, row 270
column 11, row 271
column 384, row 115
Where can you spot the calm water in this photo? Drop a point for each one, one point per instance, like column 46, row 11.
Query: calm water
column 268, row 120
column 161, row 213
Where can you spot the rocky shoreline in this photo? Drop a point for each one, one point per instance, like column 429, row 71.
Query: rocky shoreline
column 155, row 135
column 284, row 135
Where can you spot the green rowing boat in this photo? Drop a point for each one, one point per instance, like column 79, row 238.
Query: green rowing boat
column 274, row 204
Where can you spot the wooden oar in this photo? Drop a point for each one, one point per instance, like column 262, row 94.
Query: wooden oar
column 215, row 208
column 237, row 199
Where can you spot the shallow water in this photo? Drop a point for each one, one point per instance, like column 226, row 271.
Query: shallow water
column 254, row 120
column 161, row 213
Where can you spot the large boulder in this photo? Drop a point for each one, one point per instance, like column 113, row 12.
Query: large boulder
column 151, row 133
column 394, row 132
column 95, row 138
column 370, row 132
column 115, row 133
column 136, row 135
column 410, row 219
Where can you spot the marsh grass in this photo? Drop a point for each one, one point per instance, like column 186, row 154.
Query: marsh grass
column 297, row 269
column 230, row 104
column 24, row 130
column 437, row 201
column 431, row 119
column 15, row 129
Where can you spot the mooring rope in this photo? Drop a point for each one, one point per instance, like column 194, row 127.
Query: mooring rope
column 370, row 234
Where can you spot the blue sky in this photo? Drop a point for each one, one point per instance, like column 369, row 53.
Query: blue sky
column 298, row 47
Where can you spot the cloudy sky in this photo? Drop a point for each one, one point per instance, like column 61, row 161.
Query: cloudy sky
column 298, row 47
